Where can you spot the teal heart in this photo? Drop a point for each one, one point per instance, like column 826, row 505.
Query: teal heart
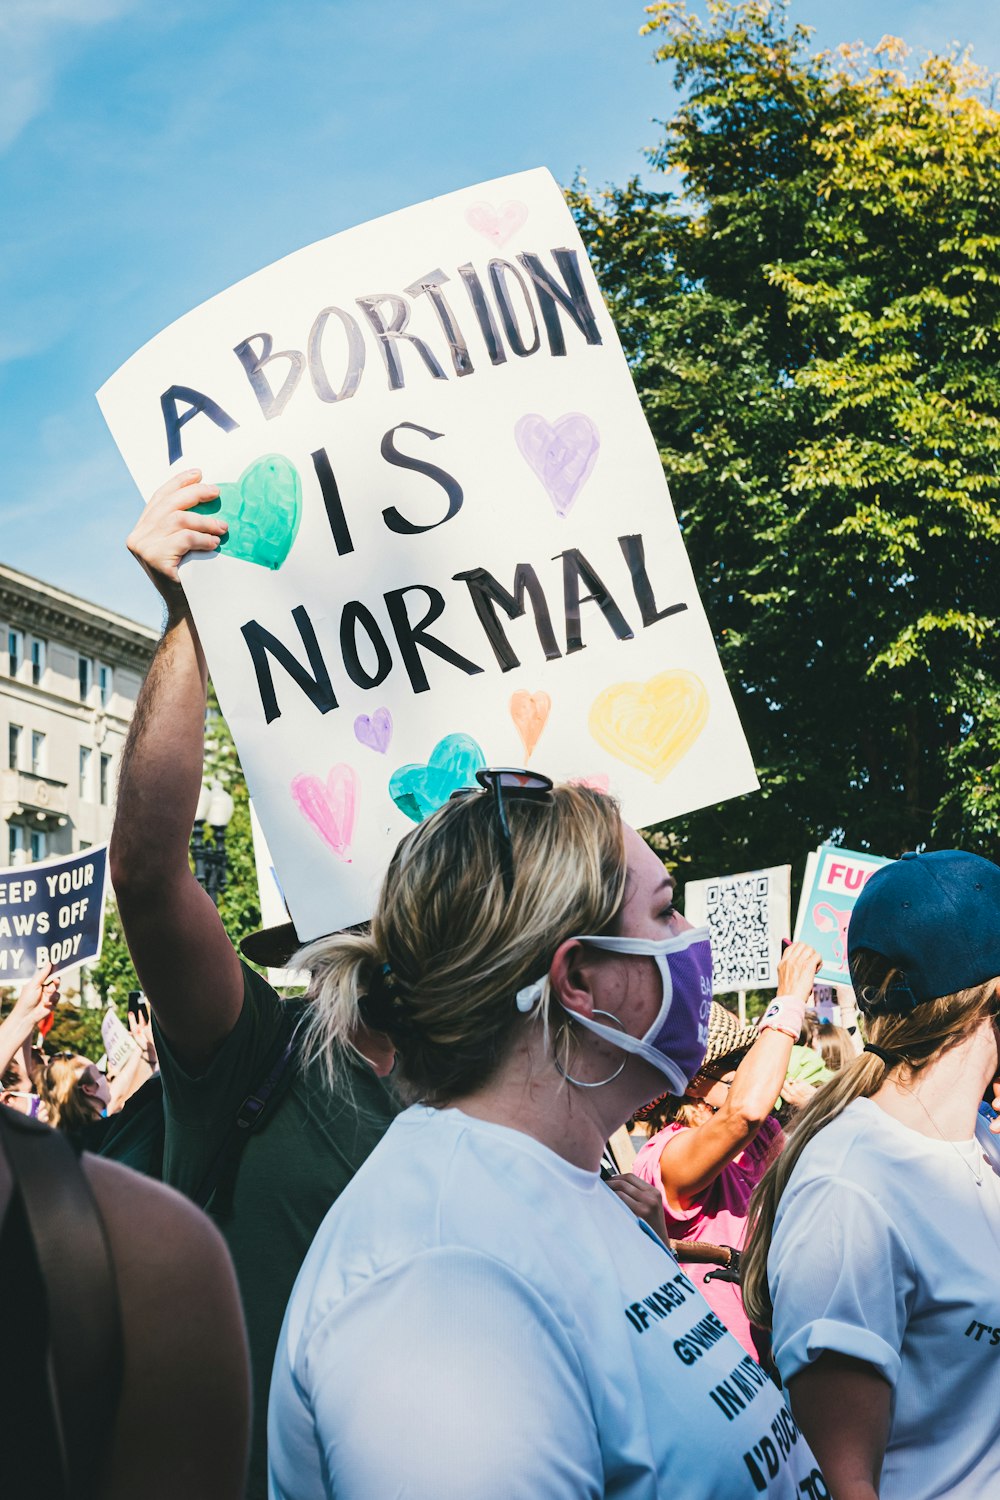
column 420, row 790
column 262, row 509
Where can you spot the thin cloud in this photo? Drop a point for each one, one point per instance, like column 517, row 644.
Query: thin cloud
column 36, row 36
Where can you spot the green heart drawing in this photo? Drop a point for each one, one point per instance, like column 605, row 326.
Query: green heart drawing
column 262, row 509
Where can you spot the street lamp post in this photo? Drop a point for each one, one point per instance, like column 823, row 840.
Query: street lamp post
column 215, row 807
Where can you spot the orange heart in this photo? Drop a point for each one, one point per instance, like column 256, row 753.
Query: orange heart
column 651, row 725
column 530, row 712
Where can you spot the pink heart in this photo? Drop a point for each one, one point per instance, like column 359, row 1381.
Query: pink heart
column 375, row 732
column 562, row 453
column 330, row 808
column 497, row 224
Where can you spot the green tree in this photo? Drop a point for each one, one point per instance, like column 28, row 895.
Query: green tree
column 77, row 1028
column 813, row 323
column 239, row 902
column 113, row 975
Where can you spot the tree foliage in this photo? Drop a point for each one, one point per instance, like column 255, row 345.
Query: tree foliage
column 114, row 975
column 239, row 902
column 813, row 323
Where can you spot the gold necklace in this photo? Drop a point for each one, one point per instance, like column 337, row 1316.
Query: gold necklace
column 977, row 1176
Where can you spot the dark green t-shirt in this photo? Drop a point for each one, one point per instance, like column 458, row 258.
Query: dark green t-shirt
column 294, row 1165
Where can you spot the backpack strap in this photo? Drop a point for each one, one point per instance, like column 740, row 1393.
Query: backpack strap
column 276, row 1075
column 85, row 1354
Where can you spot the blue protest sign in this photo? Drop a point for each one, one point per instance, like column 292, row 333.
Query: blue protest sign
column 52, row 913
column 834, row 880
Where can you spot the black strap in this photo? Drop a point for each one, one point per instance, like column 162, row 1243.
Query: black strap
column 85, row 1357
column 277, row 1074
column 727, row 1273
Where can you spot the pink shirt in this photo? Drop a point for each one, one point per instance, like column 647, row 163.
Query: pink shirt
column 720, row 1217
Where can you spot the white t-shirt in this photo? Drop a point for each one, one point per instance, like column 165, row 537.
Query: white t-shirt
column 479, row 1320
column 885, row 1248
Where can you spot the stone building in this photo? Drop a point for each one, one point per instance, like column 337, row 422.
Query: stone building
column 70, row 672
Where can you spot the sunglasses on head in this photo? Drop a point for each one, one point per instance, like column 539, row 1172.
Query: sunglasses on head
column 507, row 784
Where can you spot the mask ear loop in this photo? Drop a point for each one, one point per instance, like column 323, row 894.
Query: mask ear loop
column 577, row 1082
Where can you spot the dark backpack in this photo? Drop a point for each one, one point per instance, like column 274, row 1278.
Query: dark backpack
column 61, row 1378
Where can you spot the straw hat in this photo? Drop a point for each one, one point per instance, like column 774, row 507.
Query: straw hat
column 727, row 1039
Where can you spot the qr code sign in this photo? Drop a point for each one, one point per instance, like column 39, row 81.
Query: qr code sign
column 737, row 911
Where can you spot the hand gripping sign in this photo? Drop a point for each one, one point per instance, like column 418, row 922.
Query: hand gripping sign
column 450, row 539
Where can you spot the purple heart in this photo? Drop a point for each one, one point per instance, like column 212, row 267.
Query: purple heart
column 375, row 732
column 562, row 453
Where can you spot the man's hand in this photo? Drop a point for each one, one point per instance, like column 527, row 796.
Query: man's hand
column 797, row 970
column 168, row 529
column 643, row 1199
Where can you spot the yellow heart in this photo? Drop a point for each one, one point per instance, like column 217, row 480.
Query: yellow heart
column 651, row 725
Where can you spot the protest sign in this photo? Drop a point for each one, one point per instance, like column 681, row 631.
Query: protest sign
column 747, row 916
column 118, row 1042
column 834, row 880
column 52, row 911
column 450, row 538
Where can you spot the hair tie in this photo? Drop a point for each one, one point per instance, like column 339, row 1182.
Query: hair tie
column 383, row 1007
column 890, row 1059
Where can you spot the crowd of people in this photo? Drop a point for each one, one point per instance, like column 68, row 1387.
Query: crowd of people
column 412, row 1276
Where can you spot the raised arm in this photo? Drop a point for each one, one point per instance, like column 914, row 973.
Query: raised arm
column 692, row 1159
column 185, row 962
column 33, row 1005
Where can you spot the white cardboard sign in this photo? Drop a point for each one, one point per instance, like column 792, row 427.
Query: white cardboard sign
column 451, row 542
column 747, row 916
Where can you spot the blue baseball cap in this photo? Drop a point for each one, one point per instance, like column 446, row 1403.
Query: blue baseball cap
column 935, row 917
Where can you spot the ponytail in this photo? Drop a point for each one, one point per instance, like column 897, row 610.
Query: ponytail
column 859, row 1080
column 914, row 1039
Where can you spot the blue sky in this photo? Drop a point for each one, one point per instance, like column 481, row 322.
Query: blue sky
column 152, row 153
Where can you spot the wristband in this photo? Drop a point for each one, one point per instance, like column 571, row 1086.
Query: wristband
column 785, row 1014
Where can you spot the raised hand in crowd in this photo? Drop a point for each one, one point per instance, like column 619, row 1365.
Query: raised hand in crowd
column 141, row 1028
column 35, row 1003
column 168, row 530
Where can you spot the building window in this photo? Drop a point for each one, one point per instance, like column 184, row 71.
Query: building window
column 85, row 759
column 86, row 675
column 15, row 844
column 105, row 684
column 37, row 661
column 39, row 843
column 14, row 736
column 15, row 651
column 105, row 778
column 37, row 753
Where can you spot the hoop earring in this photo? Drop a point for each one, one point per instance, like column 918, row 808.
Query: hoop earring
column 577, row 1082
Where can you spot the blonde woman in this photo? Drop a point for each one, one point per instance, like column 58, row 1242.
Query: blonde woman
column 479, row 1315
column 74, row 1092
column 875, row 1236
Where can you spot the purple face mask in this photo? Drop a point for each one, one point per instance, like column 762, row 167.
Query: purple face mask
column 678, row 1038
